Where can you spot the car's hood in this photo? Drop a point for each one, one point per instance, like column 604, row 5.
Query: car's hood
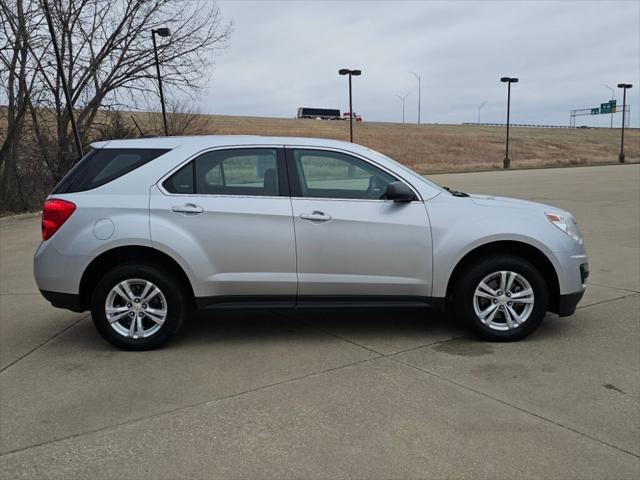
column 491, row 201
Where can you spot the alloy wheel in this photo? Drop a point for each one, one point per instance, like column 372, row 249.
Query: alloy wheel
column 503, row 300
column 136, row 308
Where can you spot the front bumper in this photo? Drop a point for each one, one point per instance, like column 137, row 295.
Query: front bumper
column 572, row 269
column 567, row 303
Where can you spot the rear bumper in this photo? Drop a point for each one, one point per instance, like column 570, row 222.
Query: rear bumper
column 567, row 303
column 55, row 272
column 67, row 301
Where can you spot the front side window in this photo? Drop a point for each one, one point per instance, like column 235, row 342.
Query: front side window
column 325, row 174
column 249, row 171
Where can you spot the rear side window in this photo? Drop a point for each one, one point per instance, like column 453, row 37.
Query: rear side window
column 181, row 181
column 103, row 165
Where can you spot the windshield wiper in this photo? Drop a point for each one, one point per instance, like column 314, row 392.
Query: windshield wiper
column 456, row 193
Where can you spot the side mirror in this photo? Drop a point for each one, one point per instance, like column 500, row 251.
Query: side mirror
column 399, row 192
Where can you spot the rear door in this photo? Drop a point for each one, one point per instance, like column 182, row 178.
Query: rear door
column 349, row 241
column 227, row 215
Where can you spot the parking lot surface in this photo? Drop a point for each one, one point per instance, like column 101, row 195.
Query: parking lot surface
column 328, row 394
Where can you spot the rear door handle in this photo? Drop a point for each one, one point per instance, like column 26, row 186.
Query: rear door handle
column 188, row 209
column 316, row 216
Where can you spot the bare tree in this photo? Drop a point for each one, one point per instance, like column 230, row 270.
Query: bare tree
column 17, row 79
column 108, row 60
column 183, row 118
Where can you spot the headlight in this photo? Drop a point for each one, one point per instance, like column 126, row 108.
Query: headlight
column 567, row 224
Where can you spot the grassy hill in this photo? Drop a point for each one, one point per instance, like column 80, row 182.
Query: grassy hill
column 429, row 148
column 432, row 148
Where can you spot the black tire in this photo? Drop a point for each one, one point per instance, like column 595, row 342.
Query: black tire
column 173, row 294
column 475, row 273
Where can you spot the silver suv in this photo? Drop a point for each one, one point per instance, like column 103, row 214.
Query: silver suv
column 142, row 231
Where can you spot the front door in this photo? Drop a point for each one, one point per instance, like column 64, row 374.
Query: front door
column 349, row 241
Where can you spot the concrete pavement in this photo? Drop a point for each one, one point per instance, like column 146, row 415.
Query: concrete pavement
column 382, row 394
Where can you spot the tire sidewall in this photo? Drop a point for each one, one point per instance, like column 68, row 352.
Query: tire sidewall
column 477, row 272
column 164, row 281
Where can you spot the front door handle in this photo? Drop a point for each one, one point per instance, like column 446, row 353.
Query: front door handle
column 188, row 209
column 316, row 216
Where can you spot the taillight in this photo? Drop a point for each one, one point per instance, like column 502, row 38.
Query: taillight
column 54, row 213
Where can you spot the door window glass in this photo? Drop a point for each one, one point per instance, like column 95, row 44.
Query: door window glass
column 326, row 174
column 229, row 172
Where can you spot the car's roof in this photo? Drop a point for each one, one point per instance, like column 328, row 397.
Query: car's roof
column 207, row 141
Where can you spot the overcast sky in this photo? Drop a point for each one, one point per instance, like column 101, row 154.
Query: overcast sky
column 286, row 54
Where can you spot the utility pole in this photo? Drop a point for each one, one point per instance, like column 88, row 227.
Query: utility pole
column 479, row 109
column 508, row 81
column 624, row 87
column 162, row 32
column 419, row 90
column 346, row 71
column 403, row 100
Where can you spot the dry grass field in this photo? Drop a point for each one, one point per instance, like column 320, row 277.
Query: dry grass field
column 433, row 148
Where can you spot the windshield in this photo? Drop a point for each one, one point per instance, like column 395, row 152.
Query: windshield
column 408, row 170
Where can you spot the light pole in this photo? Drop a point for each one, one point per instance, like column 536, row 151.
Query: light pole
column 613, row 95
column 480, row 108
column 403, row 99
column 508, row 81
column 161, row 32
column 351, row 73
column 419, row 89
column 624, row 87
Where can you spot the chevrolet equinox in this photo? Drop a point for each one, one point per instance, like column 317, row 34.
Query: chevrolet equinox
column 142, row 231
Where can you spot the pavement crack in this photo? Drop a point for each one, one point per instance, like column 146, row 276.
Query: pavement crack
column 37, row 347
column 331, row 334
column 187, row 407
column 523, row 410
column 607, row 301
column 614, row 288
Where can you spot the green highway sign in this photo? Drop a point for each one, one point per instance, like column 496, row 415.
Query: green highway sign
column 605, row 107
column 595, row 111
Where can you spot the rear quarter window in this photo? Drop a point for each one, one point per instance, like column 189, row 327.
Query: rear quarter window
column 101, row 166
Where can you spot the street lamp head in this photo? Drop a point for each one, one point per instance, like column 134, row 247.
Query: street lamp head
column 355, row 73
column 343, row 71
column 346, row 71
column 162, row 32
column 508, row 80
column 624, row 85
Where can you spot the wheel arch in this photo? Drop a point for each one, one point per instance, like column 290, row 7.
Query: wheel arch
column 518, row 248
column 130, row 254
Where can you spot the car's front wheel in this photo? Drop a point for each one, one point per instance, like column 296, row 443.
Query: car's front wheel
column 137, row 306
column 502, row 298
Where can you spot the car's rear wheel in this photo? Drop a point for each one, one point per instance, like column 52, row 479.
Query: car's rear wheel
column 137, row 306
column 502, row 298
